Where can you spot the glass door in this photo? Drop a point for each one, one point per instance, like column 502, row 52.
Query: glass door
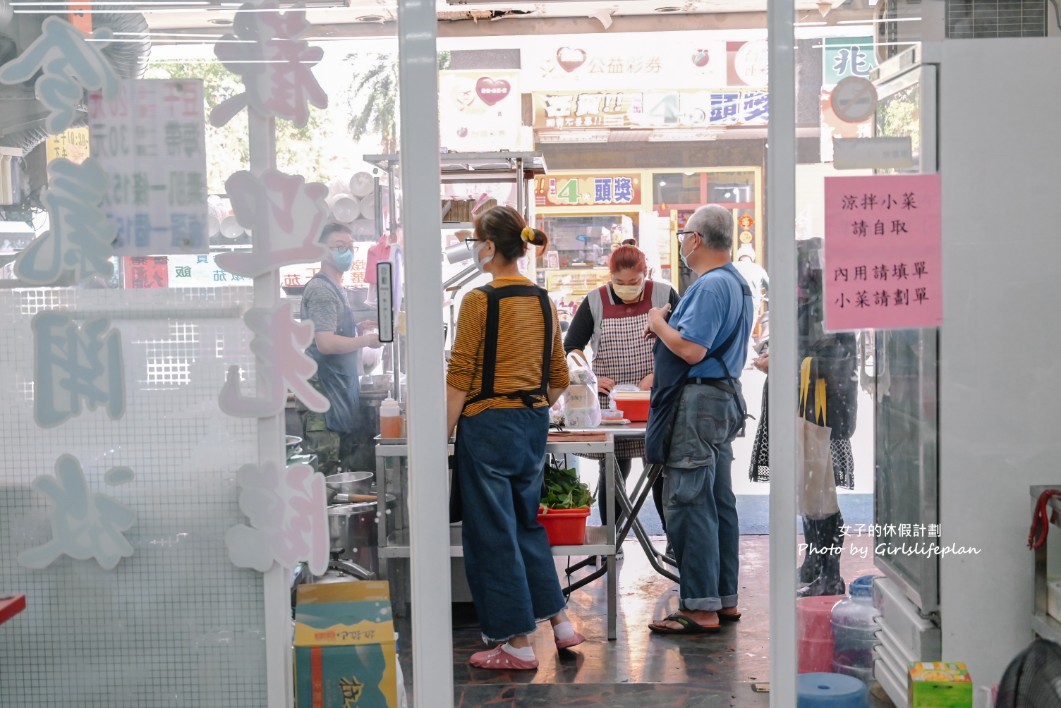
column 905, row 372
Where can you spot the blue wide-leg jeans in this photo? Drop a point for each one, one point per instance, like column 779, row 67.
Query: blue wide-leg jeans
column 507, row 559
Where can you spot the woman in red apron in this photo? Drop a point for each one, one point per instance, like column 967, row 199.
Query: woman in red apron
column 612, row 320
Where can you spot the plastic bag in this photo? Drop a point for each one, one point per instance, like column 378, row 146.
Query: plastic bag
column 581, row 404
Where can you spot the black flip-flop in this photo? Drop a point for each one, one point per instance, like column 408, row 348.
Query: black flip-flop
column 729, row 616
column 688, row 624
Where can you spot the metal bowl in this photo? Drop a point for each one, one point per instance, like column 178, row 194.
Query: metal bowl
column 348, row 482
column 292, row 441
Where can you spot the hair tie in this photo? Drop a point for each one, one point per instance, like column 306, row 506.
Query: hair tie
column 527, row 234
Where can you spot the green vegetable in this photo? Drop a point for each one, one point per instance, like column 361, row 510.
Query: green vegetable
column 563, row 490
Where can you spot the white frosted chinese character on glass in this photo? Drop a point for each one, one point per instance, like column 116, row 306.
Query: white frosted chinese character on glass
column 74, row 365
column 275, row 64
column 288, row 513
column 284, row 214
column 280, row 345
column 69, row 66
column 81, row 237
column 84, row 524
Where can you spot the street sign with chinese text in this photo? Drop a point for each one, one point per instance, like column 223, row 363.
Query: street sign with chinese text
column 605, row 62
column 883, row 259
column 650, row 109
column 150, row 141
column 587, row 190
column 847, row 56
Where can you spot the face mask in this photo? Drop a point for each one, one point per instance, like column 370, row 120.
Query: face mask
column 343, row 261
column 683, row 256
column 626, row 293
column 480, row 264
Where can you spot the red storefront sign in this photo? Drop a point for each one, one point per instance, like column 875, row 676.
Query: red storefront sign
column 142, row 272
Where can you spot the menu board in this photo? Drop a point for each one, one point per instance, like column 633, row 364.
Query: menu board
column 883, row 252
column 151, row 142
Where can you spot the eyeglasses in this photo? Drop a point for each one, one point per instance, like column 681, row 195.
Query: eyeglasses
column 470, row 243
column 683, row 234
column 340, row 249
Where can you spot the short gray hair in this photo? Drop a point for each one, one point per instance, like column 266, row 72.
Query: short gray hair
column 715, row 226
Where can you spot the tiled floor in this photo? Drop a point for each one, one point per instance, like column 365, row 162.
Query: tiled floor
column 639, row 668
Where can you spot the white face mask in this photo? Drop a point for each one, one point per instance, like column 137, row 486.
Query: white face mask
column 480, row 264
column 683, row 255
column 628, row 293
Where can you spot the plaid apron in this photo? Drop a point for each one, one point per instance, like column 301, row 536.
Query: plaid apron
column 623, row 354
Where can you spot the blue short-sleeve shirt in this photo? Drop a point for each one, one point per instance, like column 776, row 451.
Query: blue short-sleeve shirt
column 710, row 309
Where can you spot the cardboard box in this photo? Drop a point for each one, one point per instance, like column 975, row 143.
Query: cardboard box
column 939, row 684
column 344, row 646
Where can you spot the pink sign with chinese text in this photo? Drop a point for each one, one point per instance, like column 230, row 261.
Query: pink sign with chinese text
column 883, row 259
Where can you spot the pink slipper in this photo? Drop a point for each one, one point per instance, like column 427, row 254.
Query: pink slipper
column 500, row 660
column 573, row 641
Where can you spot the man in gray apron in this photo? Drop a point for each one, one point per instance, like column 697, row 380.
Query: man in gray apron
column 336, row 348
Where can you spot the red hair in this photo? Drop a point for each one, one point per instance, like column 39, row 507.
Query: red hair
column 627, row 258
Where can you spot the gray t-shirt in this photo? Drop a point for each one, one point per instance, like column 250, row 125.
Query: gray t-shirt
column 321, row 305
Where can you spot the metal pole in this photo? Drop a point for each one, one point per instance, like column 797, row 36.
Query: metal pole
column 276, row 581
column 428, row 483
column 781, row 247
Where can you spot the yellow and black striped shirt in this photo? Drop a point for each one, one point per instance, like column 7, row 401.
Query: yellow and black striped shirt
column 521, row 337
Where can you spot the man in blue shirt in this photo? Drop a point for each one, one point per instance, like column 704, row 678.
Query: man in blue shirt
column 704, row 342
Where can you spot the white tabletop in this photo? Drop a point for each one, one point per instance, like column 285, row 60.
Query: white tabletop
column 628, row 430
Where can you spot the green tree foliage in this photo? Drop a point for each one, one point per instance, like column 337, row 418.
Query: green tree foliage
column 374, row 101
column 298, row 150
column 374, row 98
column 899, row 116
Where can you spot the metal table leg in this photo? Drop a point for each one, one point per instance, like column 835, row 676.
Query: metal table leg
column 609, row 565
column 632, row 509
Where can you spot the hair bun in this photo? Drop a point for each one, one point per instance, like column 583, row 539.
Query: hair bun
column 527, row 234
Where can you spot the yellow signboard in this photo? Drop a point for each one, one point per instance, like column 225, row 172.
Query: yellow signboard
column 71, row 144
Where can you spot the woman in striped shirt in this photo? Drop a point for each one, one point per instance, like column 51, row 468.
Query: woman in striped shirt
column 507, row 367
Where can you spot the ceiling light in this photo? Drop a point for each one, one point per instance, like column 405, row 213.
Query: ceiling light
column 219, row 21
column 370, row 18
column 668, row 8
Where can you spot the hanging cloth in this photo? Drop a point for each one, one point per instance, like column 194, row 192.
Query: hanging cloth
column 380, row 251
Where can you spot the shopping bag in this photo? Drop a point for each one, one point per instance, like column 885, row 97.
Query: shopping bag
column 815, row 481
column 581, row 403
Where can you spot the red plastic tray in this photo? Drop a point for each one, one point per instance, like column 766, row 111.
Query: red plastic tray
column 11, row 606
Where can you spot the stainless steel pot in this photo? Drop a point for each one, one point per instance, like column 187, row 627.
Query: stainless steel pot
column 349, row 482
column 354, row 533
